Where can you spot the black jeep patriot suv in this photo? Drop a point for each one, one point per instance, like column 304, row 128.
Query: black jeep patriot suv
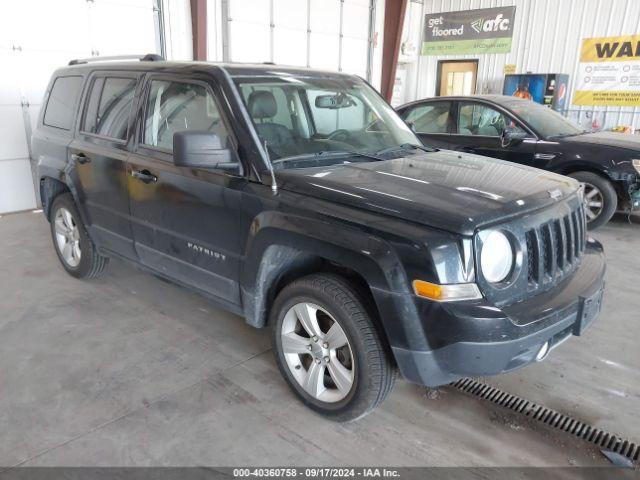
column 299, row 200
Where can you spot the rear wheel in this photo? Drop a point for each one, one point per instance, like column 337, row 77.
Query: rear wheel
column 76, row 251
column 600, row 198
column 328, row 349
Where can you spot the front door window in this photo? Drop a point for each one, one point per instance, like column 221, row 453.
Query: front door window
column 481, row 120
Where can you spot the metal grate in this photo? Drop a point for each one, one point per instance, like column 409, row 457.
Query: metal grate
column 554, row 248
column 532, row 265
column 552, row 418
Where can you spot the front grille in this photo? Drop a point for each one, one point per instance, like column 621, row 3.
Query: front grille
column 554, row 248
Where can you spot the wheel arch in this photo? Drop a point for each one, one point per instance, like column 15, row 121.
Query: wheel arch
column 591, row 168
column 50, row 188
column 281, row 265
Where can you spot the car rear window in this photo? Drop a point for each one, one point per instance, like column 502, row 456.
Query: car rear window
column 108, row 107
column 62, row 100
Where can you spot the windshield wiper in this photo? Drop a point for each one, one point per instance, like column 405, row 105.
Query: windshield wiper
column 327, row 154
column 406, row 146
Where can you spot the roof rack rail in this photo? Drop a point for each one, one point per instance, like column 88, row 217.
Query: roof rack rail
column 149, row 57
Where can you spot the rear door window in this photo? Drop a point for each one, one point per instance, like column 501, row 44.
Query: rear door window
column 429, row 117
column 109, row 107
column 60, row 107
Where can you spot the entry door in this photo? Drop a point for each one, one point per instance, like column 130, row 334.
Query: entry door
column 457, row 78
column 479, row 128
column 185, row 220
column 98, row 158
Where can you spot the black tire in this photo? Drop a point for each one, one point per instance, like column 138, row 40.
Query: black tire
column 91, row 262
column 607, row 192
column 373, row 373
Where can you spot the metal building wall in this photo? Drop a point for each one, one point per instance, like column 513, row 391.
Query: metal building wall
column 547, row 39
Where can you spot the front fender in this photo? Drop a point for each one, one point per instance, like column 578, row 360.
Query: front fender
column 280, row 242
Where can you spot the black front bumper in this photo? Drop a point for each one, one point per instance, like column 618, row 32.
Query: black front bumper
column 477, row 339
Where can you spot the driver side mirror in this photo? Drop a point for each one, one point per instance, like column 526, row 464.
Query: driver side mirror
column 194, row 149
column 512, row 136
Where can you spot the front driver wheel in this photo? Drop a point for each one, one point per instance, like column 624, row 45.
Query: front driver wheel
column 600, row 199
column 328, row 349
column 76, row 251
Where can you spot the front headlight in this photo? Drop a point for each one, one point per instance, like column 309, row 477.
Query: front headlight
column 496, row 257
column 636, row 164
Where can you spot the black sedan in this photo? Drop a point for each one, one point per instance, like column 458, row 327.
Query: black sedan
column 525, row 132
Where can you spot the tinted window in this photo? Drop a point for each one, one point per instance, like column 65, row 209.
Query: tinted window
column 176, row 107
column 544, row 120
column 353, row 117
column 430, row 117
column 348, row 116
column 283, row 109
column 479, row 119
column 108, row 107
column 62, row 100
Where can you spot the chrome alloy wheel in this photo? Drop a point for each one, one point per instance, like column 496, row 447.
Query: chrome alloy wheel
column 593, row 201
column 67, row 237
column 317, row 352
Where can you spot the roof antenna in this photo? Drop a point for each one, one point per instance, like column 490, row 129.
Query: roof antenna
column 274, row 185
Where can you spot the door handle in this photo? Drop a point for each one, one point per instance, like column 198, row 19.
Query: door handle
column 144, row 176
column 80, row 158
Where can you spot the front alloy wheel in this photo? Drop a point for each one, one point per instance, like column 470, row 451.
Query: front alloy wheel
column 593, row 201
column 328, row 348
column 317, row 352
column 600, row 198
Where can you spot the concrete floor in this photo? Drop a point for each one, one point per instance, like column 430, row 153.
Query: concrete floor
column 130, row 370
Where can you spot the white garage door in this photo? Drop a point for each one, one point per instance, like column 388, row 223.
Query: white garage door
column 324, row 34
column 38, row 36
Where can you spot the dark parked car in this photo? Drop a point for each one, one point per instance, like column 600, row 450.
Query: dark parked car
column 528, row 133
column 302, row 202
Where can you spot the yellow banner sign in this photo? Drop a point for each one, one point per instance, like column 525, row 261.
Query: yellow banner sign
column 611, row 49
column 619, row 98
column 609, row 73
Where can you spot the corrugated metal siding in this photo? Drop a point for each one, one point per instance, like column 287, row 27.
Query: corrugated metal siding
column 547, row 39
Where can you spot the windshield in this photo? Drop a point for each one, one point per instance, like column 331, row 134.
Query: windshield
column 545, row 121
column 305, row 118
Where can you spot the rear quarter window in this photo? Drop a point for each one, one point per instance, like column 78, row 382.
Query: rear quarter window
column 61, row 103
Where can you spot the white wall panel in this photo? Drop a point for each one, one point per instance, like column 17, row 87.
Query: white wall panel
column 290, row 14
column 354, row 54
column 177, row 29
column 14, row 175
column 547, row 39
column 136, row 23
column 38, row 36
column 289, row 46
column 13, row 133
column 9, row 84
column 325, row 16
column 250, row 42
column 290, row 21
column 325, row 51
column 355, row 19
column 322, row 34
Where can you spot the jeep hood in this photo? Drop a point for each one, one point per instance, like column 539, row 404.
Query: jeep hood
column 443, row 189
